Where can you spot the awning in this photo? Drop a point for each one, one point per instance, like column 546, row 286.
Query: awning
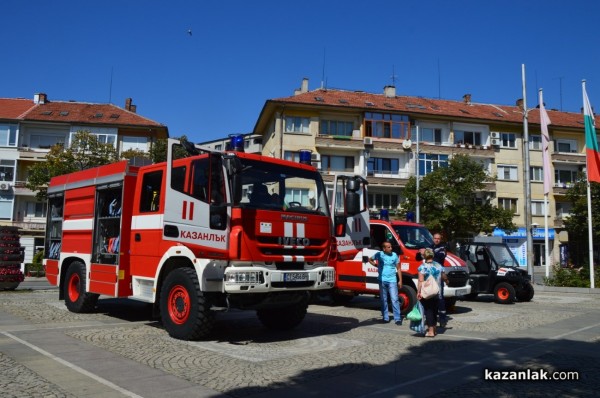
column 536, row 233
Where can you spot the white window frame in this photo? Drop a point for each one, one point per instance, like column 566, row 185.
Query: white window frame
column 8, row 135
column 297, row 124
column 537, row 208
column 134, row 142
column 513, row 172
column 560, row 142
column 509, row 204
column 536, row 173
column 8, row 170
column 508, row 140
column 535, row 142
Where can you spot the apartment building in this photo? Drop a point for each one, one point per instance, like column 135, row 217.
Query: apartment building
column 29, row 127
column 386, row 136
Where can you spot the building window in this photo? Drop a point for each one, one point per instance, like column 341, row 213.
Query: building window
column 467, row 137
column 135, row 143
column 35, row 209
column 565, row 178
column 537, row 208
column 384, row 200
column 430, row 135
column 508, row 204
column 106, row 138
column 43, row 141
column 296, row 124
column 337, row 163
column 8, row 135
column 336, row 127
column 568, row 146
column 7, row 170
column 563, row 209
column 508, row 140
column 536, row 173
column 535, row 142
column 507, row 173
column 383, row 166
column 291, row 156
column 385, row 125
column 218, row 147
column 429, row 162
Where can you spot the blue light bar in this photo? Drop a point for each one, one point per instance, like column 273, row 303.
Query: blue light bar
column 305, row 156
column 384, row 214
column 236, row 142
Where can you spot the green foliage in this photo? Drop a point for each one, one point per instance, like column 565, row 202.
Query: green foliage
column 448, row 203
column 577, row 223
column 571, row 276
column 158, row 152
column 84, row 152
column 38, row 257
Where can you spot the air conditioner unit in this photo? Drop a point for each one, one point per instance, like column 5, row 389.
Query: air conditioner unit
column 368, row 141
column 495, row 142
column 494, row 134
column 4, row 186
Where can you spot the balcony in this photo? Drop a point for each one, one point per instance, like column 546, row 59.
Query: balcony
column 29, row 226
column 568, row 158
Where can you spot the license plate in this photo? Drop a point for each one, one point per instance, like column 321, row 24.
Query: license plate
column 461, row 292
column 295, row 277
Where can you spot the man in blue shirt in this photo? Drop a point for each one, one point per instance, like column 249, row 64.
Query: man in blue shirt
column 389, row 282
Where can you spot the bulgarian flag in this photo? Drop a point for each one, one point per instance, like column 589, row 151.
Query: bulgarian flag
column 591, row 142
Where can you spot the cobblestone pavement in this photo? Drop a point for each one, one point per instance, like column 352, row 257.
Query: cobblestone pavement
column 336, row 349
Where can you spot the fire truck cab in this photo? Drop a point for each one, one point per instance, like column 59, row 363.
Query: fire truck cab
column 194, row 235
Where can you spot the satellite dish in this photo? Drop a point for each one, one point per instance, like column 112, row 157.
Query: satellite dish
column 406, row 144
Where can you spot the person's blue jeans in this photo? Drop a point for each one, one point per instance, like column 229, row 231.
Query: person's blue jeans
column 389, row 289
column 442, row 307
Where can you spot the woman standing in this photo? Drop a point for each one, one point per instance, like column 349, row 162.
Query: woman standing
column 430, row 305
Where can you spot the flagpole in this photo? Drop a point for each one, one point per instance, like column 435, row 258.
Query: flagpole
column 589, row 197
column 544, row 121
column 526, row 183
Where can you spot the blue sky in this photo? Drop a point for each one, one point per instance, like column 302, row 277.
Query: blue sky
column 215, row 81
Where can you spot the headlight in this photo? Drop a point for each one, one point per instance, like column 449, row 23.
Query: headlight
column 328, row 276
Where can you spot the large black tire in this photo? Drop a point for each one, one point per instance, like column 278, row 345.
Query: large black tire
column 408, row 299
column 504, row 293
column 340, row 299
column 184, row 310
column 526, row 293
column 9, row 285
column 283, row 318
column 76, row 298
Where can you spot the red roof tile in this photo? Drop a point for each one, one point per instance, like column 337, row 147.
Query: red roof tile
column 72, row 112
column 427, row 106
column 13, row 108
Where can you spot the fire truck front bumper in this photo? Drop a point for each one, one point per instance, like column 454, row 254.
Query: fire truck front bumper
column 264, row 280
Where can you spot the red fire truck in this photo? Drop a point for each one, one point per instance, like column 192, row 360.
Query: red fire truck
column 196, row 235
column 356, row 276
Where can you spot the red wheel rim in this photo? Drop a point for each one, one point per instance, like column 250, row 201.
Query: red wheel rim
column 179, row 305
column 404, row 300
column 74, row 287
column 503, row 293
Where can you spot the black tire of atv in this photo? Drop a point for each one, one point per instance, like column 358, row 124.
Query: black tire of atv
column 184, row 310
column 526, row 293
column 281, row 319
column 504, row 293
column 76, row 298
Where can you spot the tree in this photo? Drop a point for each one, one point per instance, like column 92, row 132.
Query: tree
column 577, row 223
column 448, row 204
column 84, row 152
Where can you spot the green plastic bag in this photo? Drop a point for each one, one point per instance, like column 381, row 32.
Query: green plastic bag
column 414, row 314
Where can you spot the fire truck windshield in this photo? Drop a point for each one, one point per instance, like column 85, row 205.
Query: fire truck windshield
column 277, row 187
column 414, row 237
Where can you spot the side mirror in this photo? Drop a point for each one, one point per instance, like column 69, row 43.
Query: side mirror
column 352, row 203
column 233, row 165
